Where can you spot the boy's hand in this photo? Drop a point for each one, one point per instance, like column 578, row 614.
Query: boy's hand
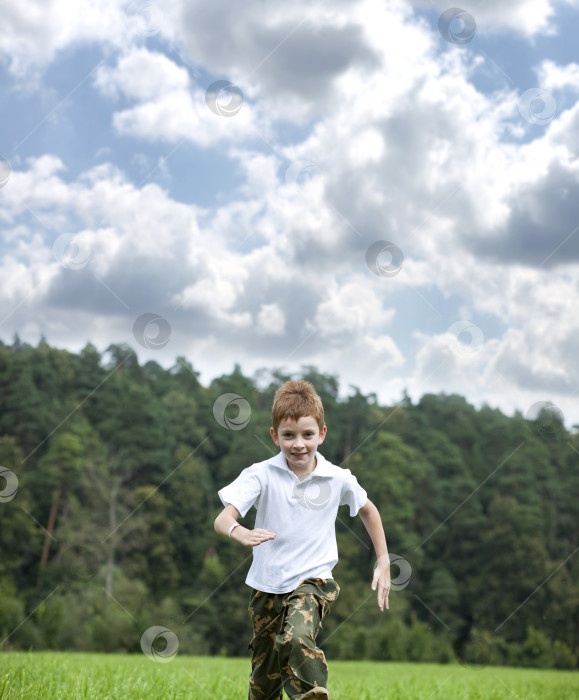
column 382, row 581
column 251, row 538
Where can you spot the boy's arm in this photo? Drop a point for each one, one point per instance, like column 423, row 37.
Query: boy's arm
column 373, row 523
column 248, row 538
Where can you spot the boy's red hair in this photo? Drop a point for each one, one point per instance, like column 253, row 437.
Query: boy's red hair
column 297, row 399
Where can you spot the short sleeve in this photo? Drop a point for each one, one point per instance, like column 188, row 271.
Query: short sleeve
column 353, row 495
column 243, row 492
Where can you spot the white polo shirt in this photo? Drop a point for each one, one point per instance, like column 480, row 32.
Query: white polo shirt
column 302, row 514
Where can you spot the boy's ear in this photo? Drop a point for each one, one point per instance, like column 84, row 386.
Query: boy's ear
column 274, row 436
column 323, row 432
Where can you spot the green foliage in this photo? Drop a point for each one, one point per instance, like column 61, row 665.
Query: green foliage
column 118, row 467
column 11, row 610
column 539, row 651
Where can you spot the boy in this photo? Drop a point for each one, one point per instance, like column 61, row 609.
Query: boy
column 297, row 494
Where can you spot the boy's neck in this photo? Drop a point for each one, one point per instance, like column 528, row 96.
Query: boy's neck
column 303, row 473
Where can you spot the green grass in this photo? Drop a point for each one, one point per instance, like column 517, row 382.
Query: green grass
column 69, row 676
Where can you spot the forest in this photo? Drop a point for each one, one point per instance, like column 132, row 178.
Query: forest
column 109, row 472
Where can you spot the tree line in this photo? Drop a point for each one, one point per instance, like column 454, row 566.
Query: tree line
column 109, row 472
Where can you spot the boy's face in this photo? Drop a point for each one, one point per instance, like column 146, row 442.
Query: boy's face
column 299, row 441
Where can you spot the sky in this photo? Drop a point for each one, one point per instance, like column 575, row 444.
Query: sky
column 384, row 190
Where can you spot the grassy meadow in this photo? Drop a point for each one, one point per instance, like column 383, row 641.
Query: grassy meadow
column 74, row 676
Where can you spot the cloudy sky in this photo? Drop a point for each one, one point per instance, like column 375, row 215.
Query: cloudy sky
column 386, row 190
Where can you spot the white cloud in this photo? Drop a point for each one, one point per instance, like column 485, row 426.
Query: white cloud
column 169, row 106
column 350, row 311
column 444, row 361
column 118, row 222
column 216, row 293
column 35, row 31
column 289, row 55
column 142, row 75
column 23, row 283
column 400, row 146
column 271, row 320
column 529, row 363
column 251, row 41
column 556, row 77
column 525, row 17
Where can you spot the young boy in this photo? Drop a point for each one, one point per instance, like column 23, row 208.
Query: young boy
column 297, row 494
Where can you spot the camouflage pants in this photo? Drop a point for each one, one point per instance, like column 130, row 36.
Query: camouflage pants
column 285, row 626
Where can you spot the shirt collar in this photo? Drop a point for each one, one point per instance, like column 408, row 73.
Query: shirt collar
column 322, row 464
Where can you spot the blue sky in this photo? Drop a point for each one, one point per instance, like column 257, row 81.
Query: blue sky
column 246, row 236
